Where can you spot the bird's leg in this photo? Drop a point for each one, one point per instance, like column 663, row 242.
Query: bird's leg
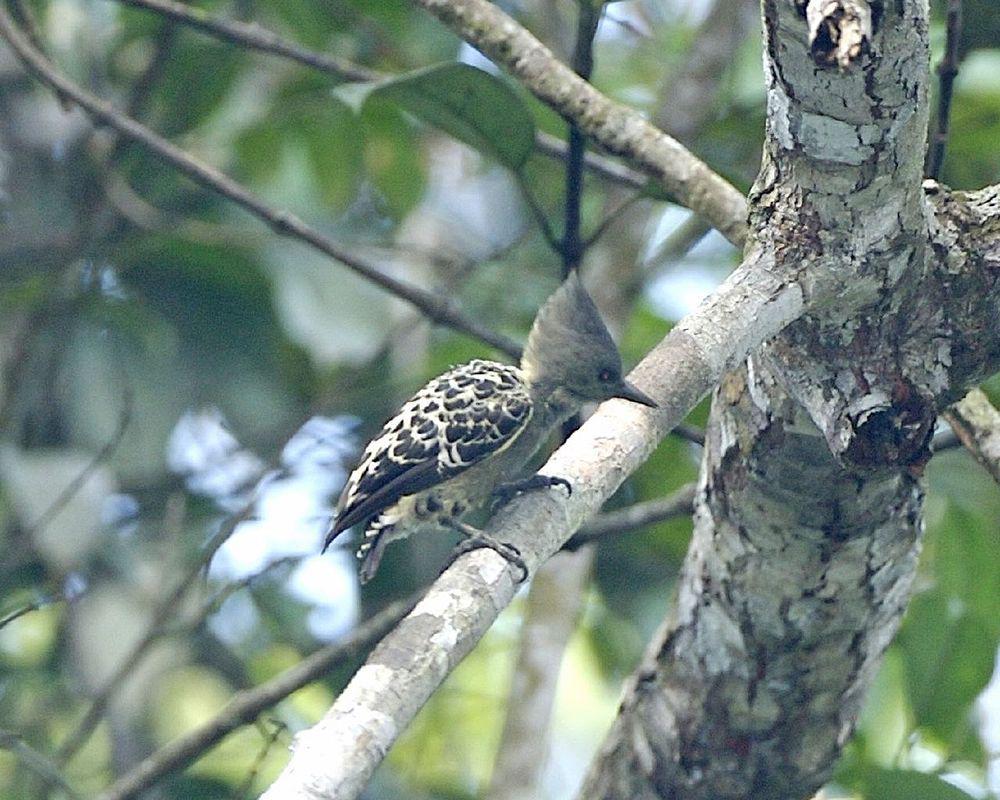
column 506, row 492
column 475, row 539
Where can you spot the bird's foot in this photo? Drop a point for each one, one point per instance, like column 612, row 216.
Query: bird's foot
column 476, row 539
column 506, row 492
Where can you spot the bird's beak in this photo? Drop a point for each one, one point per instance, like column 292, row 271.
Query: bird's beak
column 629, row 392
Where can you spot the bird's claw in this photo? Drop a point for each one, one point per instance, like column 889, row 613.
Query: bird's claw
column 506, row 492
column 508, row 551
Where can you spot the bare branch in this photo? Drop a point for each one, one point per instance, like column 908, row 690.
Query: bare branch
column 438, row 309
column 167, row 608
column 689, row 433
column 27, row 608
column 38, row 763
column 947, row 72
column 553, row 146
column 611, row 523
column 102, row 455
column 977, row 424
column 573, row 246
column 335, row 758
column 553, row 608
column 677, row 245
column 247, row 705
column 618, row 129
column 257, row 38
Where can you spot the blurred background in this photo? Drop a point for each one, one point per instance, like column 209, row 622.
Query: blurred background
column 182, row 390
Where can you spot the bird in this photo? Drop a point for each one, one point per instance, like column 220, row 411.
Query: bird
column 459, row 442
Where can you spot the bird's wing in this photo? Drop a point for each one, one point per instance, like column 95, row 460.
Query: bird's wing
column 456, row 420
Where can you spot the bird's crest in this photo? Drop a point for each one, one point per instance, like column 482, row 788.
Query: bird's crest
column 568, row 333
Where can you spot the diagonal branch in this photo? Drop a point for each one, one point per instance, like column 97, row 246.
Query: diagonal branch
column 246, row 706
column 38, row 763
column 166, row 609
column 620, row 130
column 977, row 424
column 438, row 309
column 255, row 37
column 676, row 504
column 335, row 758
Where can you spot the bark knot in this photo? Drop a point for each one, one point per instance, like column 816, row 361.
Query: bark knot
column 894, row 433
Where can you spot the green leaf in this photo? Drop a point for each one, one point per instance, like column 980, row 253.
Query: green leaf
column 948, row 661
column 899, row 784
column 468, row 103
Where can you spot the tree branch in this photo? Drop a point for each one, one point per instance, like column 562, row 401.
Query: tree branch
column 168, row 606
column 573, row 247
column 438, row 309
column 620, row 130
column 612, row 523
column 808, row 527
column 246, row 706
column 947, row 72
column 256, row 38
column 553, row 607
column 977, row 424
column 335, row 758
column 38, row 763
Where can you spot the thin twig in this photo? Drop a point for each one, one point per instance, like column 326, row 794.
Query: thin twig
column 38, row 763
column 26, row 19
column 257, row 38
column 538, row 213
column 74, row 486
column 678, row 504
column 143, row 87
column 269, row 741
column 78, row 737
column 611, row 218
column 689, row 433
column 438, row 309
column 678, row 244
column 605, row 167
column 27, row 608
column 246, row 706
column 947, row 70
column 573, row 246
column 214, row 603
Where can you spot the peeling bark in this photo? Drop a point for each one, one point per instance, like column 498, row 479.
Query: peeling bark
column 808, row 519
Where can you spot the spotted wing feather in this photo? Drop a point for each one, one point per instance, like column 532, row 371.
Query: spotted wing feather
column 455, row 421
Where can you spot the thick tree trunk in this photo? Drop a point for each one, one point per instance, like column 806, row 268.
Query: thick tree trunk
column 808, row 522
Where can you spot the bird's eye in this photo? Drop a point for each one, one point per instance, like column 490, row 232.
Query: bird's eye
column 605, row 376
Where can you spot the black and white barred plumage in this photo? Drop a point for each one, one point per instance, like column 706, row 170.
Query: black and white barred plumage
column 476, row 426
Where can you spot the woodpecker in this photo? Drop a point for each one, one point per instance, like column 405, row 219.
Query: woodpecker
column 465, row 436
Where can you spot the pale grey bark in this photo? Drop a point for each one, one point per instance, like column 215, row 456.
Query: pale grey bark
column 808, row 520
column 976, row 422
column 335, row 758
column 809, row 515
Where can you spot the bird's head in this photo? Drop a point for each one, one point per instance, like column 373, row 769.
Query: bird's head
column 569, row 349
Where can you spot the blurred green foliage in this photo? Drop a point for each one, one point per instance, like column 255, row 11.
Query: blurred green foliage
column 125, row 287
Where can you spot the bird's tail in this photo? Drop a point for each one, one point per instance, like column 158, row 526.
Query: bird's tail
column 378, row 535
column 332, row 532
